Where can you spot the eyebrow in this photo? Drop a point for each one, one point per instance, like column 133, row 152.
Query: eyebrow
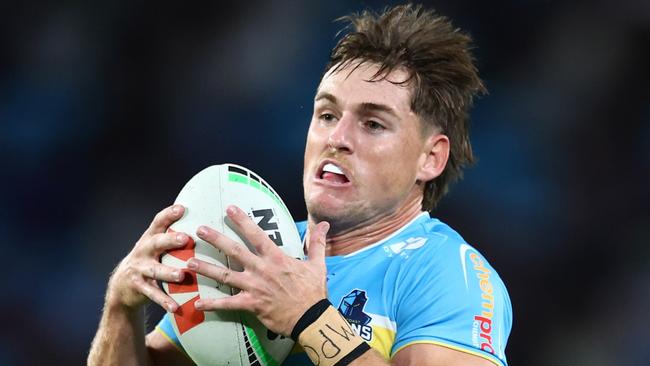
column 365, row 107
column 323, row 95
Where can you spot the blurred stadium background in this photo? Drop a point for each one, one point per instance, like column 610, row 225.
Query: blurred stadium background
column 107, row 108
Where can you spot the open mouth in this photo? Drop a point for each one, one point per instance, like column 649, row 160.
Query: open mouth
column 332, row 173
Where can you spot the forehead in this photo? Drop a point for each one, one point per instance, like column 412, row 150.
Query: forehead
column 358, row 83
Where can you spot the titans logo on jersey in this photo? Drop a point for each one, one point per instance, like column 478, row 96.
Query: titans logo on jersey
column 351, row 306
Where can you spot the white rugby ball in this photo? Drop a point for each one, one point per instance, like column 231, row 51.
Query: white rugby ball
column 226, row 337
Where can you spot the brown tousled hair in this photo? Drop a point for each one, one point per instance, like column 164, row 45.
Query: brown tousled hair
column 443, row 77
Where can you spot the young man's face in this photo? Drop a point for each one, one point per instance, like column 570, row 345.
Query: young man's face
column 364, row 148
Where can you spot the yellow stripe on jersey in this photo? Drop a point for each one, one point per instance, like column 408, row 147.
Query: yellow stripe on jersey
column 382, row 340
column 492, row 359
column 168, row 338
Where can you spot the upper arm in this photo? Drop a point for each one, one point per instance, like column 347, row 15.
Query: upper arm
column 162, row 352
column 422, row 354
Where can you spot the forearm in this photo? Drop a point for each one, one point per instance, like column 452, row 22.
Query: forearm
column 120, row 338
column 328, row 339
column 369, row 357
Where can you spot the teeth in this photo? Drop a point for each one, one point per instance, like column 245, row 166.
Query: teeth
column 329, row 167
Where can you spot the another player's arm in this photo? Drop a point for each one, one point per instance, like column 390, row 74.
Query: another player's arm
column 120, row 337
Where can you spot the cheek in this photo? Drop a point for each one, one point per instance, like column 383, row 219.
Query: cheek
column 395, row 167
column 313, row 149
column 310, row 144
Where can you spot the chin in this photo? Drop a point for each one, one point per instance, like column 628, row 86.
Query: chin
column 321, row 211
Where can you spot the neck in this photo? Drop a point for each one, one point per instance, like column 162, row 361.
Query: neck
column 372, row 229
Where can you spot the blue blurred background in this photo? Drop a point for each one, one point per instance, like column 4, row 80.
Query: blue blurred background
column 108, row 108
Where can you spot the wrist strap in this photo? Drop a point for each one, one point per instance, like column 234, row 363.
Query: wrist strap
column 356, row 353
column 327, row 337
column 310, row 316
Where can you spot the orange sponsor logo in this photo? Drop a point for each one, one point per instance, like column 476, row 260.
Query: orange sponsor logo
column 482, row 330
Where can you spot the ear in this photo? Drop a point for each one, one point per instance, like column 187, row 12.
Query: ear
column 434, row 157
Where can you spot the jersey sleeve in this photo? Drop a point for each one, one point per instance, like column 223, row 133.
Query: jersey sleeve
column 166, row 328
column 450, row 296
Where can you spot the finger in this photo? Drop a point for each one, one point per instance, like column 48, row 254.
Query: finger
column 164, row 219
column 161, row 272
column 155, row 294
column 231, row 248
column 236, row 302
column 220, row 274
column 162, row 242
column 249, row 231
column 317, row 242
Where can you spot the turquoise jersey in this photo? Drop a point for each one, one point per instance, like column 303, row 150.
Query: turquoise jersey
column 422, row 284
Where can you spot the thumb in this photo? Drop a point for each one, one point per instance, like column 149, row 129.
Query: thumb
column 316, row 248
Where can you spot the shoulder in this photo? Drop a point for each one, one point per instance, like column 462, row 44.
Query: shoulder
column 449, row 294
column 447, row 260
column 430, row 243
column 442, row 246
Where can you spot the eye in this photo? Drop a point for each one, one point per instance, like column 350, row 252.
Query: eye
column 327, row 117
column 374, row 126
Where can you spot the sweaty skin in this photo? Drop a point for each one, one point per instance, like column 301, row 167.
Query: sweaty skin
column 367, row 129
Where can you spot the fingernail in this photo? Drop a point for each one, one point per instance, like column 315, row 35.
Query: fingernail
column 231, row 210
column 325, row 226
column 176, row 210
column 171, row 307
column 203, row 230
column 192, row 264
column 180, row 238
column 198, row 304
column 176, row 275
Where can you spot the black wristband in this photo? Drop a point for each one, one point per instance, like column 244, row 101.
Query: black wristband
column 310, row 316
column 356, row 353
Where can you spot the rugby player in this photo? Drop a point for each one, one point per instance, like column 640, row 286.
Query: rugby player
column 388, row 135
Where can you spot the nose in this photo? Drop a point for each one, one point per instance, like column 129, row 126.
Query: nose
column 341, row 135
